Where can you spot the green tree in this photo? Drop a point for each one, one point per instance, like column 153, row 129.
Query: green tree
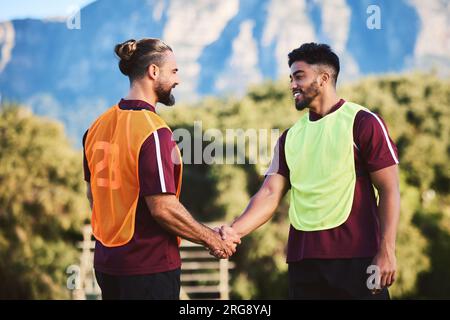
column 42, row 206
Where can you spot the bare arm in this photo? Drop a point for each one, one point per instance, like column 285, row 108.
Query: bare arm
column 387, row 183
column 173, row 216
column 262, row 205
column 89, row 194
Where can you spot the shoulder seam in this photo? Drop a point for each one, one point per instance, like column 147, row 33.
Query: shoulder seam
column 386, row 136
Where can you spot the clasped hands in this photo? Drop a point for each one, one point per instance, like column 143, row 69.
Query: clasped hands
column 225, row 242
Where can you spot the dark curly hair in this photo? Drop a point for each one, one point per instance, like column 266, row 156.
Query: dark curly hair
column 316, row 53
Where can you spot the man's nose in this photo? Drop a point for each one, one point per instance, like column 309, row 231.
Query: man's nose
column 294, row 85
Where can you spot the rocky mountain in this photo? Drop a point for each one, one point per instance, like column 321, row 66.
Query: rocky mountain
column 222, row 46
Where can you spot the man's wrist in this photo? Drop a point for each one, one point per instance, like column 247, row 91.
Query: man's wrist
column 236, row 229
column 387, row 246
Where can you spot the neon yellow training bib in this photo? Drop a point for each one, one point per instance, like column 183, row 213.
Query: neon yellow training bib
column 321, row 162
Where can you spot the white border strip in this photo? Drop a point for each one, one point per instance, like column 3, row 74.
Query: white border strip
column 158, row 160
column 386, row 136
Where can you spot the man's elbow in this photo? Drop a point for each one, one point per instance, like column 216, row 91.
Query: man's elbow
column 159, row 213
column 159, row 210
column 270, row 194
column 266, row 191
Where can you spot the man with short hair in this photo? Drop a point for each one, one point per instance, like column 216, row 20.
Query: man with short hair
column 330, row 159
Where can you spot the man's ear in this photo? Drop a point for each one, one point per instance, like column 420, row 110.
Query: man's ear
column 153, row 71
column 324, row 78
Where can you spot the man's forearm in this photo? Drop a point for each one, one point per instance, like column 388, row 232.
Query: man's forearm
column 260, row 209
column 176, row 219
column 389, row 212
column 173, row 216
column 89, row 194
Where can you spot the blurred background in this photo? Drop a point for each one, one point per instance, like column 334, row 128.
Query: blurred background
column 58, row 73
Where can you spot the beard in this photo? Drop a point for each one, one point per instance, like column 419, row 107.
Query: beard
column 164, row 93
column 307, row 96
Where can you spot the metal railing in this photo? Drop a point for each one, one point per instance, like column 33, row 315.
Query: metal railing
column 202, row 275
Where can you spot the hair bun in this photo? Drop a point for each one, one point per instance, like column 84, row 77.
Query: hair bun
column 125, row 50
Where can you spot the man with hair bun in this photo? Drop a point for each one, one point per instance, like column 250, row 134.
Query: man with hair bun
column 134, row 184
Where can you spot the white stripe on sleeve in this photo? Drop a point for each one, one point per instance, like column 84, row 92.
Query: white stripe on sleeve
column 385, row 136
column 158, row 160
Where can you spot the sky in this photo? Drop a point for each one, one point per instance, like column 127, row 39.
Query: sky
column 18, row 9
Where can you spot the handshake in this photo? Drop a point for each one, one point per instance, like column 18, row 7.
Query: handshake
column 224, row 241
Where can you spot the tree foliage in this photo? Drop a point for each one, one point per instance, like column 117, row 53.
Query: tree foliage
column 42, row 206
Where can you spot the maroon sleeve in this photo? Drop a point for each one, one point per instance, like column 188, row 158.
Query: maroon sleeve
column 372, row 139
column 279, row 164
column 87, row 173
column 156, row 167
